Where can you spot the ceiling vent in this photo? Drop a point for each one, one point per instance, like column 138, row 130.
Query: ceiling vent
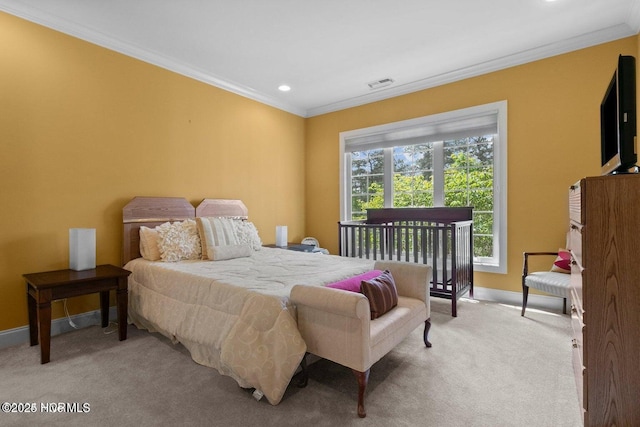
column 380, row 83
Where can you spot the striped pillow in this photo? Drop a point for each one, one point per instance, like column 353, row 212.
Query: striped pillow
column 214, row 232
column 381, row 292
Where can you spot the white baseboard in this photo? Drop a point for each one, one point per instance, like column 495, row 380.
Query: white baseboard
column 16, row 336
column 544, row 302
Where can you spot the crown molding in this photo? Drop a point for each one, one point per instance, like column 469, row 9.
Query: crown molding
column 519, row 58
column 631, row 27
column 95, row 37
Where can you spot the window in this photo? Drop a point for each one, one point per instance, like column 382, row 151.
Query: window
column 450, row 159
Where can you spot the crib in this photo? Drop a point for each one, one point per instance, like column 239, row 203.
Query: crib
column 439, row 237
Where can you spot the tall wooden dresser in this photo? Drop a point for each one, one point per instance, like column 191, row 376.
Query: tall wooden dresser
column 604, row 213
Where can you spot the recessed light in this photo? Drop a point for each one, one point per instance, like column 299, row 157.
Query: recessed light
column 284, row 88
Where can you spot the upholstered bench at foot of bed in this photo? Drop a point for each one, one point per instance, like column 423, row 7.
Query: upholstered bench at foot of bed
column 336, row 324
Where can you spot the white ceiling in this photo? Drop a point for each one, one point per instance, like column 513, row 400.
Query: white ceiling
column 328, row 50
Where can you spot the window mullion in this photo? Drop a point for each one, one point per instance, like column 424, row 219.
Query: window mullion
column 438, row 173
column 348, row 186
column 388, row 177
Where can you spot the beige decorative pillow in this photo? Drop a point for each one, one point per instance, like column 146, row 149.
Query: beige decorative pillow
column 179, row 241
column 219, row 253
column 149, row 244
column 247, row 234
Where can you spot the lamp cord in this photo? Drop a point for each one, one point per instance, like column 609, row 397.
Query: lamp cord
column 66, row 311
column 111, row 327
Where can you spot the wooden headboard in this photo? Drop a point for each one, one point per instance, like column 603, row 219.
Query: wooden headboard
column 153, row 211
column 222, row 208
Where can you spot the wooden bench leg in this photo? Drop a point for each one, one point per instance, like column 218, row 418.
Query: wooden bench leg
column 304, row 375
column 363, row 379
column 425, row 336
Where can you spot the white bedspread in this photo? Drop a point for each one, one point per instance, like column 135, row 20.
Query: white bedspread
column 234, row 315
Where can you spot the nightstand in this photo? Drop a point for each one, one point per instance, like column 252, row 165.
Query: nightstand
column 42, row 288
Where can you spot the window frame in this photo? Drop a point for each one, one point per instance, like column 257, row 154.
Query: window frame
column 496, row 264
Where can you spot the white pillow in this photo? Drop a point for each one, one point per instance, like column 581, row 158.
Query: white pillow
column 149, row 244
column 247, row 234
column 179, row 241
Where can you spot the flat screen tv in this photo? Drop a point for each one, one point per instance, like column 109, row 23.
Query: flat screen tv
column 618, row 119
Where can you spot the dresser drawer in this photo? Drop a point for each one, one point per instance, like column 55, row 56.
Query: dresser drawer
column 575, row 242
column 577, row 354
column 576, row 285
column 576, row 294
column 575, row 203
column 579, row 372
column 577, row 329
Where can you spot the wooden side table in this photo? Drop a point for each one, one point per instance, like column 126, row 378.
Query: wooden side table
column 42, row 288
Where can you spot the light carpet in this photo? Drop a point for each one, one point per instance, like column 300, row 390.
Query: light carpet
column 487, row 367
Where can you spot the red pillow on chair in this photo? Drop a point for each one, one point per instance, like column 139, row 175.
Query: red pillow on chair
column 562, row 264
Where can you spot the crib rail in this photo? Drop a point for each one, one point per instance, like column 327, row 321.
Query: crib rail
column 447, row 246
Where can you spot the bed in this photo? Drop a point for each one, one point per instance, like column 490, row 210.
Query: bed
column 232, row 314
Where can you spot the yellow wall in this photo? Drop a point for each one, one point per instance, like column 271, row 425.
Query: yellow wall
column 84, row 129
column 553, row 141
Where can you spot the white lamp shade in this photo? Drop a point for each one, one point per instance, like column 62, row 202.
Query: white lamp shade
column 82, row 248
column 281, row 235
